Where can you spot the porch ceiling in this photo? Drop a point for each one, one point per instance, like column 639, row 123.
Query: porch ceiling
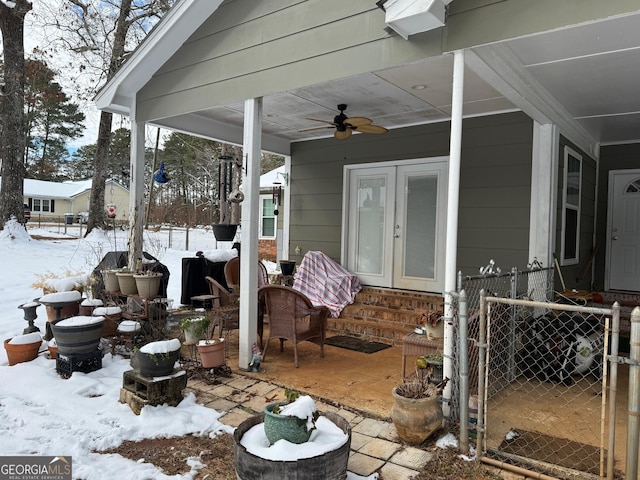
column 583, row 78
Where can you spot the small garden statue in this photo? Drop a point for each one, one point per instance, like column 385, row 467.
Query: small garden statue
column 256, row 359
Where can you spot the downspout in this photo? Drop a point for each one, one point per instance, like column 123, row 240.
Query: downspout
column 453, row 201
column 252, row 147
column 136, row 194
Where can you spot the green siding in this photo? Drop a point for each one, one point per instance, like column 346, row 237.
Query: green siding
column 249, row 49
column 495, row 185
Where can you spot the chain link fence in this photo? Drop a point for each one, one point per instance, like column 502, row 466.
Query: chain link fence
column 534, row 284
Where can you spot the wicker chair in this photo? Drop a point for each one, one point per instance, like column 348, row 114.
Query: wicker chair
column 226, row 309
column 293, row 317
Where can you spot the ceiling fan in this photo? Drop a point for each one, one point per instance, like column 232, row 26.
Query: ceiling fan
column 345, row 126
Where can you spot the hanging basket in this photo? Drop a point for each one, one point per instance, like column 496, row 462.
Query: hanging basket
column 224, row 232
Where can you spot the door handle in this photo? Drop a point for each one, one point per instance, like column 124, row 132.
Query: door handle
column 614, row 238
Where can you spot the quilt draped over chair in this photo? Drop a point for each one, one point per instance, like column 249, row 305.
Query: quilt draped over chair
column 326, row 282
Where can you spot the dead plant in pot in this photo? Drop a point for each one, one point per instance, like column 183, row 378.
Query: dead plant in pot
column 417, row 412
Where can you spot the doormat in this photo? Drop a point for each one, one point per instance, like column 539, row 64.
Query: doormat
column 355, row 344
column 553, row 450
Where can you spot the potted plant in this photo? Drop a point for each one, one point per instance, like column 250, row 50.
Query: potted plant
column 195, row 329
column 157, row 359
column 417, row 412
column 292, row 420
column 23, row 348
column 433, row 361
column 126, row 282
column 212, row 354
column 148, row 283
column 110, row 280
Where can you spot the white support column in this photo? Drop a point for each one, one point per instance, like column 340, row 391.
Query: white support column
column 136, row 192
column 249, row 234
column 453, row 200
column 287, row 210
column 544, row 173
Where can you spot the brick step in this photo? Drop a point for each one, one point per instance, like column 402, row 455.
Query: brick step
column 398, row 299
column 384, row 315
column 383, row 332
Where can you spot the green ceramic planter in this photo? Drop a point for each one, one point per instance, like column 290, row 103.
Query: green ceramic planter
column 278, row 427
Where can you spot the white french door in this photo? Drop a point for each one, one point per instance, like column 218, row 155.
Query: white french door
column 396, row 224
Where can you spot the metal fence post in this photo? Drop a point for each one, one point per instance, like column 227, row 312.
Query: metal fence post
column 463, row 371
column 633, row 409
column 613, row 387
column 482, row 351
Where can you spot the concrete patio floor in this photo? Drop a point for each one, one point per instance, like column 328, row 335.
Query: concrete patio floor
column 356, row 386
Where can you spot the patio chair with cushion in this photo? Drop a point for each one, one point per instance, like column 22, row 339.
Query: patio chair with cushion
column 293, row 317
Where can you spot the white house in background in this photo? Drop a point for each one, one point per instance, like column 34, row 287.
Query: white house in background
column 274, row 215
column 52, row 200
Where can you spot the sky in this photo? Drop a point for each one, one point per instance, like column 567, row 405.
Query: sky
column 43, row 414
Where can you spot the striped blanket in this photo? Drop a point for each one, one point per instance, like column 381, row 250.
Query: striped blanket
column 325, row 282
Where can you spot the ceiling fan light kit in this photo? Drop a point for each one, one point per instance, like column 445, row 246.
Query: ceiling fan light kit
column 345, row 126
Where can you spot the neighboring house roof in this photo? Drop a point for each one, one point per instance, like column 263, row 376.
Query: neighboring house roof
column 69, row 189
column 268, row 179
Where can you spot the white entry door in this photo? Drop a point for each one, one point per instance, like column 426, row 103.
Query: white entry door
column 623, row 229
column 396, row 225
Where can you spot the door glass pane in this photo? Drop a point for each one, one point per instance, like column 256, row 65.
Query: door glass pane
column 370, row 224
column 420, row 239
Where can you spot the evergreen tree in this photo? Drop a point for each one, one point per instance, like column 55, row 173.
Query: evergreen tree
column 51, row 119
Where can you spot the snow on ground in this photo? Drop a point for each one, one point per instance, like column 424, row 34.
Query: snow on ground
column 43, row 414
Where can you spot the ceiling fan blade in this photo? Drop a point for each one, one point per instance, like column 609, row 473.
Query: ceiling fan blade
column 323, row 121
column 342, row 135
column 371, row 129
column 358, row 121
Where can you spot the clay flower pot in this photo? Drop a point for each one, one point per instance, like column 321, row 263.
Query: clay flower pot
column 416, row 419
column 22, row 348
column 211, row 352
column 127, row 283
column 282, row 426
column 148, row 284
column 110, row 280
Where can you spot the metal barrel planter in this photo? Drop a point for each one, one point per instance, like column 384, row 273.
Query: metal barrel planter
column 331, row 465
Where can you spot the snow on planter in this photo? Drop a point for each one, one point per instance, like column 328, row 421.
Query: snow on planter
column 26, row 339
column 79, row 321
column 164, row 346
column 61, row 297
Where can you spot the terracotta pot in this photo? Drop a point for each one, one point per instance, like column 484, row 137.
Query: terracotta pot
column 88, row 306
column 127, row 283
column 21, row 352
column 112, row 317
column 416, row 419
column 277, row 427
column 53, row 352
column 148, row 285
column 211, row 354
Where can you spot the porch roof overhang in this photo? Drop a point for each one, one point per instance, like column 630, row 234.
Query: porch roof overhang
column 580, row 76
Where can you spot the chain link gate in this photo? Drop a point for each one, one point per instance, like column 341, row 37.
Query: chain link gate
column 542, row 384
column 535, row 284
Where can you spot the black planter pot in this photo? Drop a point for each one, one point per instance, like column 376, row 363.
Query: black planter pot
column 156, row 364
column 223, row 232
